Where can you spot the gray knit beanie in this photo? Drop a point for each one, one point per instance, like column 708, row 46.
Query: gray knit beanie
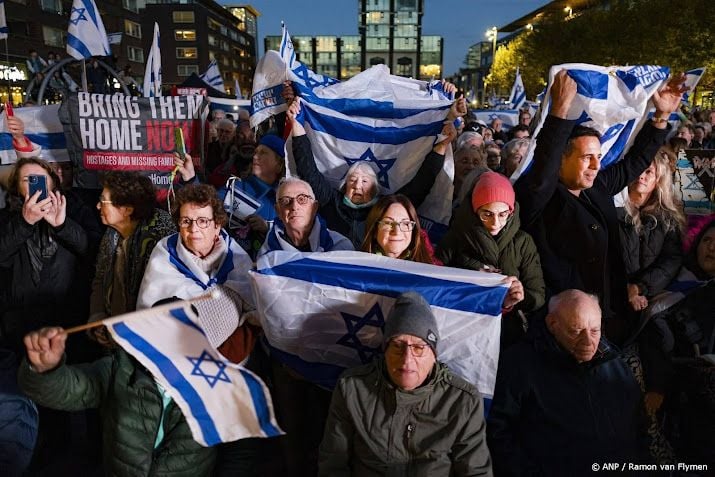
column 411, row 315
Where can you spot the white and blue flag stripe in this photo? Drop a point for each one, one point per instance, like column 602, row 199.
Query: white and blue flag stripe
column 86, row 36
column 3, row 21
column 323, row 313
column 213, row 77
column 286, row 50
column 43, row 128
column 518, row 94
column 221, row 401
column 152, row 73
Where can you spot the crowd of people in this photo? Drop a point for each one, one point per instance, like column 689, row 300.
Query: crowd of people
column 607, row 332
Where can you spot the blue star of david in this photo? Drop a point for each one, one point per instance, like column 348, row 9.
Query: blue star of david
column 211, row 379
column 354, row 324
column 694, row 183
column 305, row 74
column 383, row 166
column 80, row 15
column 493, row 116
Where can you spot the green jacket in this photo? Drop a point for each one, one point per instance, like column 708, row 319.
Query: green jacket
column 374, row 428
column 131, row 410
column 469, row 245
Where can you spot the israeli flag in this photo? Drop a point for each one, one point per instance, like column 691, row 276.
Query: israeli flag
column 86, row 36
column 387, row 121
column 518, row 94
column 3, row 21
column 152, row 73
column 286, row 49
column 44, row 130
column 324, row 312
column 212, row 76
column 509, row 117
column 221, row 401
column 237, row 88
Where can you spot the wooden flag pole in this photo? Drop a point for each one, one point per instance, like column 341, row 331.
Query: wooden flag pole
column 139, row 314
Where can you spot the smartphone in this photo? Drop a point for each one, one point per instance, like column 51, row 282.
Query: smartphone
column 179, row 145
column 38, row 183
column 8, row 110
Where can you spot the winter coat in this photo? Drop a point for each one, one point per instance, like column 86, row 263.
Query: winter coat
column 374, row 428
column 578, row 237
column 40, row 267
column 469, row 245
column 342, row 218
column 652, row 257
column 552, row 416
column 131, row 410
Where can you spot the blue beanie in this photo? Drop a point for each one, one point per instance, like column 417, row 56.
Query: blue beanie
column 274, row 143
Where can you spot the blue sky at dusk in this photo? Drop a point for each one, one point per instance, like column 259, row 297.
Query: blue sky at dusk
column 461, row 22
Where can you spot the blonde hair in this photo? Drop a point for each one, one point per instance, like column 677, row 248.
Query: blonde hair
column 662, row 203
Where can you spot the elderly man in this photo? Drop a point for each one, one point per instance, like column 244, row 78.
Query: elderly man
column 567, row 205
column 217, row 153
column 405, row 413
column 298, row 226
column 499, row 134
column 564, row 400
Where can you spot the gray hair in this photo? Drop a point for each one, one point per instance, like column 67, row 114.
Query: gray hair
column 512, row 146
column 292, row 180
column 225, row 122
column 571, row 299
column 466, row 137
column 366, row 169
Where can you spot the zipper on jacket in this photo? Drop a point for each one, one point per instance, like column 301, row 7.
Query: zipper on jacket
column 408, row 433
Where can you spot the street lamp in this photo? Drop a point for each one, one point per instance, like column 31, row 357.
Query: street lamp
column 491, row 35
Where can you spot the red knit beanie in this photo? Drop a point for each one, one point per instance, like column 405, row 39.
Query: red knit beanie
column 492, row 187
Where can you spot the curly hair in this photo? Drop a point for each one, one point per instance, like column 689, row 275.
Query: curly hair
column 200, row 195
column 416, row 251
column 13, row 183
column 131, row 189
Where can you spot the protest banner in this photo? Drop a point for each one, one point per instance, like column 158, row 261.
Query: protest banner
column 125, row 133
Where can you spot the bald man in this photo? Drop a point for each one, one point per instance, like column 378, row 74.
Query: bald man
column 564, row 399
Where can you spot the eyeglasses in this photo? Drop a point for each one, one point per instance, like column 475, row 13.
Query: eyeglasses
column 201, row 222
column 301, row 199
column 487, row 215
column 398, row 348
column 404, row 226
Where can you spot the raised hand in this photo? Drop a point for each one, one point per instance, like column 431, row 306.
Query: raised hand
column 515, row 293
column 45, row 348
column 185, row 166
column 34, row 211
column 288, row 92
column 458, row 109
column 297, row 129
column 667, row 99
column 563, row 91
column 449, row 133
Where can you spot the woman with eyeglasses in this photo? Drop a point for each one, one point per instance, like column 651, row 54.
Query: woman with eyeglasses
column 134, row 226
column 393, row 230
column 485, row 235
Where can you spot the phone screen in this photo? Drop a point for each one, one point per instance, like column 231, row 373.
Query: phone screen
column 38, row 183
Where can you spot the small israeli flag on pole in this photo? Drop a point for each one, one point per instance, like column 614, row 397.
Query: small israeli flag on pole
column 152, row 74
column 286, row 50
column 213, row 76
column 518, row 95
column 3, row 21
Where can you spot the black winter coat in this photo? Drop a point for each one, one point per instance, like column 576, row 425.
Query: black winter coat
column 340, row 217
column 652, row 257
column 578, row 237
column 552, row 416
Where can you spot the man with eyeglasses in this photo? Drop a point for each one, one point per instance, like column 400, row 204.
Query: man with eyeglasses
column 298, row 226
column 564, row 400
column 405, row 413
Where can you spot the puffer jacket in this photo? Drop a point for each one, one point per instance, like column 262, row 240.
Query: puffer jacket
column 374, row 428
column 131, row 408
column 469, row 245
column 653, row 256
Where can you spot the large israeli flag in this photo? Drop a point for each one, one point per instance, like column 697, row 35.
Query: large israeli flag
column 518, row 94
column 86, row 36
column 221, row 401
column 614, row 100
column 286, row 49
column 44, row 130
column 152, row 73
column 212, row 76
column 324, row 312
column 387, row 121
column 3, row 21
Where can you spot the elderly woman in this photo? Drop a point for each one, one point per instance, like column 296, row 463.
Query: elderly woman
column 134, row 226
column 393, row 230
column 298, row 226
column 41, row 253
column 345, row 210
column 486, row 236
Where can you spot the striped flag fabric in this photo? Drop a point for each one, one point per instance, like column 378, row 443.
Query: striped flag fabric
column 3, row 21
column 237, row 88
column 518, row 94
column 152, row 73
column 44, row 130
column 86, row 36
column 212, row 76
column 324, row 312
column 286, row 49
column 221, row 401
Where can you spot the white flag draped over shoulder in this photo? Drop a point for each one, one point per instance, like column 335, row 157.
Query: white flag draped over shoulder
column 152, row 73
column 44, row 130
column 388, row 121
column 614, row 100
column 86, row 36
column 324, row 312
column 221, row 401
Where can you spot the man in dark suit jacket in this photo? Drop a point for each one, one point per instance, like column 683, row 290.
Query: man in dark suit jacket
column 567, row 205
